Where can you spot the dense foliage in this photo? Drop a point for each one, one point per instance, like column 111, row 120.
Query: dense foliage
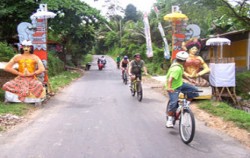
column 126, row 36
column 74, row 26
column 7, row 52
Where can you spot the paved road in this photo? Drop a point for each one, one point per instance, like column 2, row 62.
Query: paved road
column 96, row 117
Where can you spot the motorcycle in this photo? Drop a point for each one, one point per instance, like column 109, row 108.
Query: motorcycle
column 100, row 65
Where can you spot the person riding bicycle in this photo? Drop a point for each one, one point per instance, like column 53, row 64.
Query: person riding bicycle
column 175, row 85
column 135, row 67
column 118, row 60
column 124, row 64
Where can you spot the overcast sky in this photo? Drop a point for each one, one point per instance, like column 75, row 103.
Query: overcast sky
column 142, row 5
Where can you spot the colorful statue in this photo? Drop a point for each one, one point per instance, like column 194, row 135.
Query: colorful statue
column 195, row 67
column 29, row 66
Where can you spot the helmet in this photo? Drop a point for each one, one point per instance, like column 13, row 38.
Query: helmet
column 182, row 55
column 26, row 43
column 125, row 57
column 137, row 55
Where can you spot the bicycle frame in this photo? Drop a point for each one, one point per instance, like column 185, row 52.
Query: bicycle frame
column 186, row 119
column 137, row 88
column 125, row 75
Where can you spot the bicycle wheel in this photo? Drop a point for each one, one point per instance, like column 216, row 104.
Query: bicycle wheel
column 139, row 91
column 133, row 89
column 125, row 78
column 187, row 126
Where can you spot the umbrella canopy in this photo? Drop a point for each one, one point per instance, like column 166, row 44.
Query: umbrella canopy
column 175, row 16
column 42, row 14
column 218, row 41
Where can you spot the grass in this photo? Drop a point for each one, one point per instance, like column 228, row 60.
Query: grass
column 15, row 108
column 226, row 112
column 63, row 79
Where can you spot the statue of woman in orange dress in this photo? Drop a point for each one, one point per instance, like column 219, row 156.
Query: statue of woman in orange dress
column 195, row 67
column 26, row 82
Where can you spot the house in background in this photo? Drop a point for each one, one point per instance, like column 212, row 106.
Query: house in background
column 239, row 49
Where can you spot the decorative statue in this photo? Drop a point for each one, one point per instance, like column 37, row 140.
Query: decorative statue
column 29, row 66
column 195, row 67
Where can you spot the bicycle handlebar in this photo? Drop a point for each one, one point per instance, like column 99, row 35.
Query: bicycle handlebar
column 186, row 92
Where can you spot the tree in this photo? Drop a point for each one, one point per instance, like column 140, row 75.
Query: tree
column 13, row 12
column 76, row 25
column 131, row 13
column 113, row 8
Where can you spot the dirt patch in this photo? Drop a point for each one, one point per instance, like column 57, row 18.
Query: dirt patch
column 211, row 121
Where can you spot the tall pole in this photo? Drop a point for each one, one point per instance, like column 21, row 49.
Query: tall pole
column 120, row 32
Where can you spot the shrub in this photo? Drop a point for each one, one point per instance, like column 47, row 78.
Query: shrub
column 6, row 52
column 55, row 65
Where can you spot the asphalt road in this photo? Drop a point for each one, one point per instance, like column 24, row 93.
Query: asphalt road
column 96, row 117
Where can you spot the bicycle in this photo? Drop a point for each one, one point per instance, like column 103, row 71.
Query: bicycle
column 186, row 118
column 118, row 65
column 125, row 76
column 136, row 88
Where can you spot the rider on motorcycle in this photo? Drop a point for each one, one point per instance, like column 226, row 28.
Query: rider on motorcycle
column 103, row 59
column 124, row 64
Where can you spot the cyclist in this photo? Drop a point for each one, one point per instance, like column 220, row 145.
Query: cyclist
column 118, row 59
column 124, row 64
column 135, row 67
column 175, row 85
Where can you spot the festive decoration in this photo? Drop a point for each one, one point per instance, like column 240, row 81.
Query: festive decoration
column 178, row 21
column 148, row 36
column 218, row 42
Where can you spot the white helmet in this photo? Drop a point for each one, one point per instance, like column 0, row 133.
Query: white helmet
column 182, row 55
column 26, row 43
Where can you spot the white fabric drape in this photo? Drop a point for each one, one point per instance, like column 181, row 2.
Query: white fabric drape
column 222, row 74
column 147, row 36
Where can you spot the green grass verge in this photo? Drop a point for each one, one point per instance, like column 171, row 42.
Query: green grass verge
column 15, row 108
column 63, row 79
column 226, row 112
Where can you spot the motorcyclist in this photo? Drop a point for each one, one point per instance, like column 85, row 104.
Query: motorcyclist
column 103, row 59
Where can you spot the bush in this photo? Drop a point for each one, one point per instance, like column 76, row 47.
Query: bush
column 6, row 52
column 55, row 65
column 242, row 84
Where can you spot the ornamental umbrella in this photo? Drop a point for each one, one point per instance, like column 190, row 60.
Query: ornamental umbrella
column 175, row 16
column 42, row 14
column 218, row 41
column 178, row 21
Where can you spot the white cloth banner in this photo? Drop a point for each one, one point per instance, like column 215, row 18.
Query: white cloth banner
column 166, row 48
column 148, row 36
column 222, row 74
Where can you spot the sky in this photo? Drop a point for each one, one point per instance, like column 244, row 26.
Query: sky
column 142, row 5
